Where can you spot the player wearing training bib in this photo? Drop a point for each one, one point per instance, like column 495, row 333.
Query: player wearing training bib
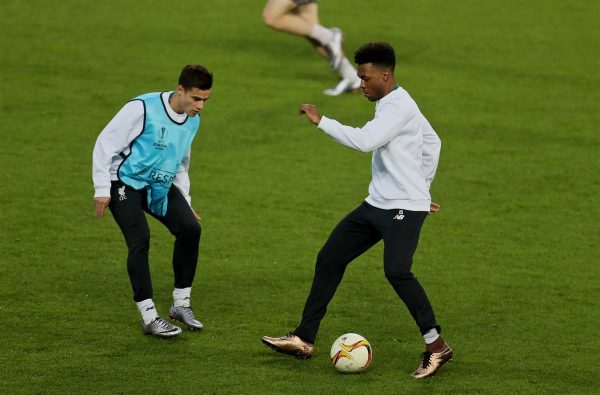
column 158, row 151
column 140, row 165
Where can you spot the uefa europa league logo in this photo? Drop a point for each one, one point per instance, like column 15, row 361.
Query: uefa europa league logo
column 162, row 133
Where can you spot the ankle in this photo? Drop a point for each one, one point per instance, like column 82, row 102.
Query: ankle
column 181, row 297
column 147, row 310
column 302, row 340
column 438, row 345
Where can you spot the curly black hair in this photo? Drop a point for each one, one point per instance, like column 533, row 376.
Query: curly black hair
column 381, row 54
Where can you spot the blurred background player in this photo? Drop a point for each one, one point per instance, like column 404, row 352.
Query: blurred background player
column 140, row 164
column 301, row 17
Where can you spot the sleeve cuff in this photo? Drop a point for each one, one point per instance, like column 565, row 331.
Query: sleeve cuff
column 102, row 192
column 322, row 122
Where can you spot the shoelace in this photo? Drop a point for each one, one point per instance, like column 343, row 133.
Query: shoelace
column 426, row 359
column 162, row 324
column 188, row 312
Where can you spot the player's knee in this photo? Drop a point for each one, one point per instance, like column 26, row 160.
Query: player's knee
column 328, row 260
column 398, row 275
column 139, row 244
column 191, row 230
column 271, row 20
column 324, row 257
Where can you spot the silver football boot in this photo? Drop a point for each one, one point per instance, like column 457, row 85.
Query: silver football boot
column 334, row 49
column 161, row 328
column 186, row 316
column 344, row 86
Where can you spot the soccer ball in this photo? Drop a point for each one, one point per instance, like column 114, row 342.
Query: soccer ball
column 351, row 353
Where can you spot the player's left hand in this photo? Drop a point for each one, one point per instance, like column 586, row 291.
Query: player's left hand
column 198, row 218
column 312, row 113
column 434, row 208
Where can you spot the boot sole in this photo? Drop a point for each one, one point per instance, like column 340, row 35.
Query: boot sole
column 296, row 354
column 191, row 328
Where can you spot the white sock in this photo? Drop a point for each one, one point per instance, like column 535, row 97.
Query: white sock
column 147, row 310
column 181, row 297
column 321, row 34
column 431, row 336
column 346, row 70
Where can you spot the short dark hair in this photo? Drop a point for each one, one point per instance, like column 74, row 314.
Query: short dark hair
column 381, row 54
column 195, row 76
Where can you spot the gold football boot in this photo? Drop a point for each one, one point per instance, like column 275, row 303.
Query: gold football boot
column 290, row 344
column 431, row 362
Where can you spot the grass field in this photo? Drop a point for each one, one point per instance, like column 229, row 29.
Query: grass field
column 510, row 263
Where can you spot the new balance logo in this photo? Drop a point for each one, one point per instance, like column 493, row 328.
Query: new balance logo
column 122, row 193
column 400, row 215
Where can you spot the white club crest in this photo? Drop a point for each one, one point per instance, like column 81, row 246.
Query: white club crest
column 121, row 191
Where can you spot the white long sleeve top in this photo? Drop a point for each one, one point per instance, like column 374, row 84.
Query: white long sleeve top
column 405, row 149
column 117, row 136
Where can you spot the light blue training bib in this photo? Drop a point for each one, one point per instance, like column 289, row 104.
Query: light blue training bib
column 156, row 154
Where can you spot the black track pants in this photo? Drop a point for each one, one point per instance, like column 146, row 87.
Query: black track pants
column 354, row 235
column 127, row 206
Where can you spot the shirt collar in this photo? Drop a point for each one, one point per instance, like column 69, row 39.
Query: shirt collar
column 174, row 116
column 389, row 95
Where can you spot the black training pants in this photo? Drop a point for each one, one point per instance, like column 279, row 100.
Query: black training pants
column 127, row 206
column 354, row 235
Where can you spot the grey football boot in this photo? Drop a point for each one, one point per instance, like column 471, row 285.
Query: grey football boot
column 186, row 316
column 161, row 328
column 334, row 49
column 344, row 86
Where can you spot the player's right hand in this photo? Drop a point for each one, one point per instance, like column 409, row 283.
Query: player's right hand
column 312, row 113
column 101, row 205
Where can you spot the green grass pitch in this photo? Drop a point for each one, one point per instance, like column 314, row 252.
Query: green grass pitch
column 510, row 263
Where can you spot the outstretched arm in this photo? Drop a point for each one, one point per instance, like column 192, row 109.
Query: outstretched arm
column 386, row 125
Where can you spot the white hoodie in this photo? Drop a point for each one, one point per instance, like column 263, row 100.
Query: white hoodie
column 405, row 149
